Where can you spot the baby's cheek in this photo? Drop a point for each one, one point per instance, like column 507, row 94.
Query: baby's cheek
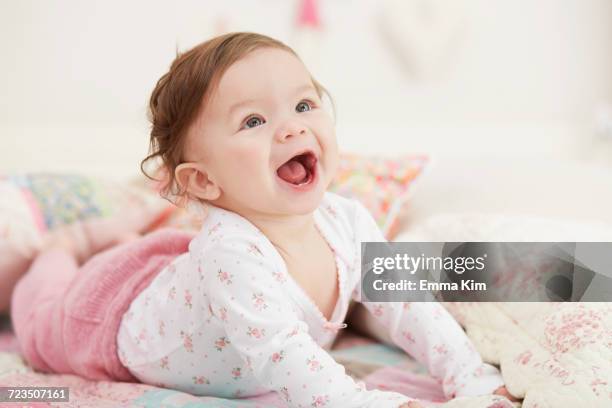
column 248, row 162
column 227, row 166
column 327, row 137
column 326, row 131
column 246, row 155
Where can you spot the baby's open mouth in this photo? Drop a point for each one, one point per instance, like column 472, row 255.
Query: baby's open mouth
column 298, row 170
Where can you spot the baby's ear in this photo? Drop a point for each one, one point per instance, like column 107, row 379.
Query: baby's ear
column 193, row 179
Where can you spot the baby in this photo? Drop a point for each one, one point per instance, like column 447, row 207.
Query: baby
column 263, row 289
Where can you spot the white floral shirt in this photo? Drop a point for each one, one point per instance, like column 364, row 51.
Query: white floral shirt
column 228, row 320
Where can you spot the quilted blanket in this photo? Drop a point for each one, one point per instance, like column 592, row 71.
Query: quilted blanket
column 553, row 354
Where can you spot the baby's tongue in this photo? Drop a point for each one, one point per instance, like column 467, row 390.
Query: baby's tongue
column 292, row 172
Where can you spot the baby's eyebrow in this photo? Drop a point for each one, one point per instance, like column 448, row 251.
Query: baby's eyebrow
column 307, row 87
column 238, row 105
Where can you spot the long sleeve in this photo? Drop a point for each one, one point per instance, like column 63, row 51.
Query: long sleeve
column 426, row 331
column 248, row 297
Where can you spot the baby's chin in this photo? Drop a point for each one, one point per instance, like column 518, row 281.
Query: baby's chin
column 301, row 205
column 275, row 204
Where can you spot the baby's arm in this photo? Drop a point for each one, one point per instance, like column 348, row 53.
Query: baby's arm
column 429, row 333
column 248, row 297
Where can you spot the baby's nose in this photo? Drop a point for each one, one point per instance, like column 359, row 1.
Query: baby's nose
column 290, row 129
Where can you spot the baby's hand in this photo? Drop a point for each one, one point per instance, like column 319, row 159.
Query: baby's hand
column 411, row 404
column 504, row 393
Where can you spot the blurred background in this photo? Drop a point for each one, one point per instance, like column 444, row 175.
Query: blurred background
column 517, row 79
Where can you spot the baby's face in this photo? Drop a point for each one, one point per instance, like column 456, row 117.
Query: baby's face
column 264, row 138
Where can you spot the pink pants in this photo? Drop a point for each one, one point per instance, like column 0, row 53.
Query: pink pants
column 66, row 318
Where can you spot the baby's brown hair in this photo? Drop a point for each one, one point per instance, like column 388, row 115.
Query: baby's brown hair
column 181, row 93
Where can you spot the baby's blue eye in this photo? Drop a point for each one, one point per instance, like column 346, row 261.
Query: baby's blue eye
column 252, row 122
column 303, row 107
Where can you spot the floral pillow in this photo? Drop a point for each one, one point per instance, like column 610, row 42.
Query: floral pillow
column 381, row 184
column 33, row 204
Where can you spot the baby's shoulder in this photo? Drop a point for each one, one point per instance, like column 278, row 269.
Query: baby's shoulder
column 228, row 236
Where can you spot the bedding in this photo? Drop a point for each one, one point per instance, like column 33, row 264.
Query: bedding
column 552, row 354
column 33, row 204
column 555, row 355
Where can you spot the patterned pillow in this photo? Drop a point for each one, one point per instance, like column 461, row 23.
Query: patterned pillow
column 32, row 204
column 381, row 184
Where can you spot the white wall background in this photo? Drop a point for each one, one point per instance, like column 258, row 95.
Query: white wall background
column 520, row 78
